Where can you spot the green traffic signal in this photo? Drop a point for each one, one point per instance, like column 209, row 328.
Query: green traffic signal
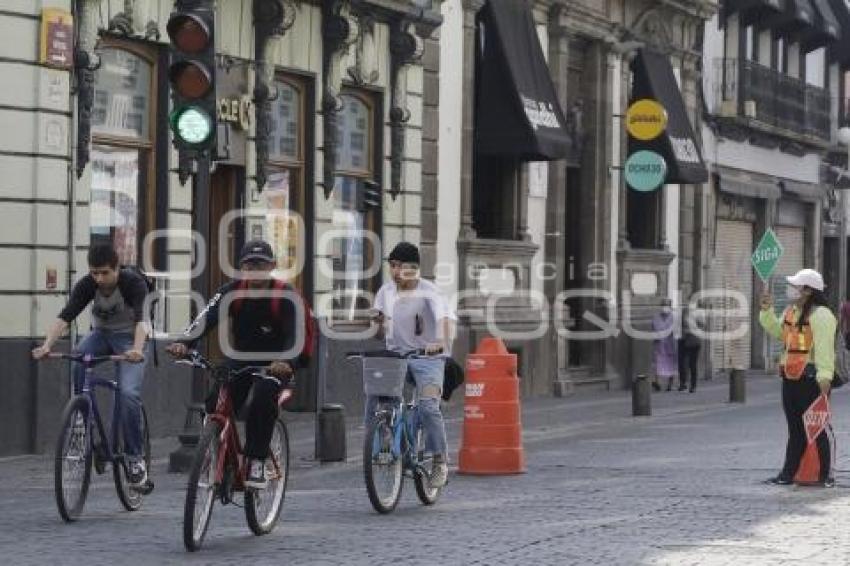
column 191, row 125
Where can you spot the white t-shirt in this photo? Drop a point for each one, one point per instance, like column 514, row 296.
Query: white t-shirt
column 412, row 318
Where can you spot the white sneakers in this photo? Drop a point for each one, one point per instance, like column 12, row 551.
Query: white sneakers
column 257, row 475
column 439, row 474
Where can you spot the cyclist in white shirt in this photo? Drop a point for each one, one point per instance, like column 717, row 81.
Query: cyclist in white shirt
column 415, row 316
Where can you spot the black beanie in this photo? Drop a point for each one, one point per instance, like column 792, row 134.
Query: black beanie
column 405, row 252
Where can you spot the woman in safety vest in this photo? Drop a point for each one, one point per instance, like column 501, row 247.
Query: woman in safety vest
column 807, row 331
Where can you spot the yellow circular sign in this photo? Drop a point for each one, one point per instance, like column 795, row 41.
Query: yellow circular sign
column 646, row 119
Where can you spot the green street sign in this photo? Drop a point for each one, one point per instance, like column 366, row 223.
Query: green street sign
column 767, row 255
column 645, row 170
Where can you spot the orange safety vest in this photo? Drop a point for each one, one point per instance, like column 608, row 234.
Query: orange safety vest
column 798, row 344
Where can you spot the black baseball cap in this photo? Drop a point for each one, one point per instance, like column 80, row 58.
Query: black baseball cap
column 256, row 250
column 405, row 252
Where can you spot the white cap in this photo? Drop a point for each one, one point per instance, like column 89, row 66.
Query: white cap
column 808, row 278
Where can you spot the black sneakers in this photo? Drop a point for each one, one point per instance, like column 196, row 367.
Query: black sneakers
column 780, row 480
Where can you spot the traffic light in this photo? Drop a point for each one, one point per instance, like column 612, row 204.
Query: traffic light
column 371, row 195
column 191, row 73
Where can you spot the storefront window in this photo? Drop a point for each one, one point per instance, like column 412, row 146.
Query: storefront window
column 122, row 151
column 114, row 204
column 286, row 123
column 122, row 95
column 281, row 225
column 284, row 191
column 352, row 254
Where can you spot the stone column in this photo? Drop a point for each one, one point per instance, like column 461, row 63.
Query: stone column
column 555, row 248
column 470, row 9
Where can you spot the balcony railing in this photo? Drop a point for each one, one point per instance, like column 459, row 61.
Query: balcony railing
column 770, row 97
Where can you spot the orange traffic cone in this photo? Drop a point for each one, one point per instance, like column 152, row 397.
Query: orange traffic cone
column 492, row 432
column 809, row 470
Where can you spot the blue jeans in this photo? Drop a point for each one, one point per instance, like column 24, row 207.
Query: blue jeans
column 425, row 372
column 130, row 377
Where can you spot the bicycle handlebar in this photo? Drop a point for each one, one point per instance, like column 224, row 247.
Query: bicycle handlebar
column 413, row 354
column 195, row 359
column 86, row 358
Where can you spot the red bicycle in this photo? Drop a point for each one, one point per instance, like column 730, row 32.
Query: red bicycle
column 220, row 466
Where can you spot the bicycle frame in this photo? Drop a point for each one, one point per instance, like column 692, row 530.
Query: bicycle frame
column 89, row 386
column 403, row 419
column 231, row 446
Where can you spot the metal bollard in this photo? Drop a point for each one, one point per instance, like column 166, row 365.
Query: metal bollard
column 737, row 386
column 641, row 396
column 330, row 443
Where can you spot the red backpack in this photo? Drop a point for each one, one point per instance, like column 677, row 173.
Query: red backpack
column 309, row 321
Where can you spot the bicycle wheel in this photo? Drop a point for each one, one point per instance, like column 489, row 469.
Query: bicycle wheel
column 73, row 459
column 200, row 493
column 263, row 506
column 130, row 497
column 382, row 469
column 421, row 476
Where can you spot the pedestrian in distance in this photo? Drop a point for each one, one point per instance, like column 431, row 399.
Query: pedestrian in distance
column 807, row 366
column 845, row 323
column 665, row 355
column 689, row 346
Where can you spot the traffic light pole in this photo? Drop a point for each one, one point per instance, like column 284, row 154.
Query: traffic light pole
column 181, row 459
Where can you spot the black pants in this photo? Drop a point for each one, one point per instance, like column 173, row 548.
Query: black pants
column 796, row 398
column 255, row 399
column 688, row 358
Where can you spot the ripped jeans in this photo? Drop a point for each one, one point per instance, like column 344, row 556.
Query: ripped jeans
column 427, row 375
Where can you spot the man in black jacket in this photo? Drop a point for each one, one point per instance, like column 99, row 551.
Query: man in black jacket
column 264, row 329
column 117, row 297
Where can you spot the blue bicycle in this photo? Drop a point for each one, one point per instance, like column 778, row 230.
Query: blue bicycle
column 83, row 441
column 394, row 444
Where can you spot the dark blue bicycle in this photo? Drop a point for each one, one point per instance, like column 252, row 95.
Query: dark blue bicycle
column 394, row 444
column 83, row 441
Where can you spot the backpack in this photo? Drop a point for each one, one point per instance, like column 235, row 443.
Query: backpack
column 453, row 377
column 309, row 320
column 151, row 287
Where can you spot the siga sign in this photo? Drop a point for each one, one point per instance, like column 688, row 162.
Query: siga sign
column 766, row 255
column 646, row 119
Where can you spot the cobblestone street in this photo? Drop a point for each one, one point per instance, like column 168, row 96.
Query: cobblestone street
column 681, row 487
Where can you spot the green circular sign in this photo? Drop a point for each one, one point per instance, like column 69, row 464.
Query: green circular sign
column 645, row 170
column 193, row 125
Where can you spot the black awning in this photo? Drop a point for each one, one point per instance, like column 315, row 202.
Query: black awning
column 516, row 111
column 840, row 51
column 826, row 29
column 797, row 15
column 752, row 10
column 654, row 78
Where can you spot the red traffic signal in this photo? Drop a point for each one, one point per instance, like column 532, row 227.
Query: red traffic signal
column 188, row 33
